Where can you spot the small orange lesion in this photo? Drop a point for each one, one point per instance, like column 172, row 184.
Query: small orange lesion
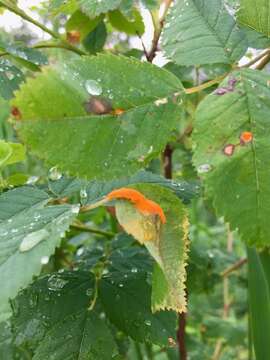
column 143, row 204
column 246, row 137
column 15, row 112
column 73, row 36
column 118, row 111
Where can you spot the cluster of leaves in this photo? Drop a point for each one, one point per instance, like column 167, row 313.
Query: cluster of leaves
column 95, row 116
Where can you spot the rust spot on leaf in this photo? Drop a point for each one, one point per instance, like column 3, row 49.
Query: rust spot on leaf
column 16, row 113
column 246, row 137
column 98, row 106
column 142, row 204
column 228, row 150
column 73, row 36
column 226, row 89
column 118, row 111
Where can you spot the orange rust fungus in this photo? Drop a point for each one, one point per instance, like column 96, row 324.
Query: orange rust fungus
column 73, row 36
column 246, row 137
column 16, row 113
column 143, row 204
column 229, row 149
column 118, row 111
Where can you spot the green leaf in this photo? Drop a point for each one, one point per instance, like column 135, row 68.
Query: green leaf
column 25, row 56
column 10, row 78
column 167, row 243
column 255, row 39
column 202, row 32
column 64, row 134
column 132, row 26
column 259, row 301
column 96, row 190
column 95, row 41
column 131, row 310
column 88, row 338
column 255, row 14
column 29, row 231
column 82, row 23
column 70, row 330
column 93, row 8
column 11, row 153
column 237, row 181
column 58, row 7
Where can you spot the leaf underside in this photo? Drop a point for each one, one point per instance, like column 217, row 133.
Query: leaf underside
column 167, row 243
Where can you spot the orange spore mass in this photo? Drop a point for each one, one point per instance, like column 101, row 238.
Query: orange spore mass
column 118, row 111
column 143, row 204
column 246, row 137
column 73, row 36
column 16, row 113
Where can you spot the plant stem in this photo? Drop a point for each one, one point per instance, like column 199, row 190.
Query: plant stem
column 263, row 62
column 234, row 267
column 167, row 161
column 181, row 336
column 77, row 225
column 22, row 14
column 205, row 85
column 256, row 59
column 138, row 351
column 157, row 30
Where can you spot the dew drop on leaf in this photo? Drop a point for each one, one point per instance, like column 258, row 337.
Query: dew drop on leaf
column 32, row 239
column 44, row 260
column 54, row 174
column 147, row 322
column 204, row 168
column 83, row 194
column 55, row 283
column 93, row 87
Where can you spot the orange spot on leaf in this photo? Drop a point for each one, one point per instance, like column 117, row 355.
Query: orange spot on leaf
column 16, row 113
column 143, row 204
column 73, row 36
column 118, row 111
column 246, row 137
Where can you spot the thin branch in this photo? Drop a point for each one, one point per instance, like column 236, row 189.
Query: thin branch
column 205, row 85
column 234, row 267
column 23, row 15
column 157, row 30
column 181, row 336
column 256, row 59
column 77, row 225
column 263, row 62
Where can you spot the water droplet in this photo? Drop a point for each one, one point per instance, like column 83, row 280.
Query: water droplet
column 54, row 174
column 121, row 285
column 44, row 260
column 74, row 209
column 134, row 270
column 55, row 283
column 161, row 102
column 204, row 168
column 32, row 180
column 93, row 87
column 89, row 292
column 80, row 251
column 83, row 194
column 32, row 239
